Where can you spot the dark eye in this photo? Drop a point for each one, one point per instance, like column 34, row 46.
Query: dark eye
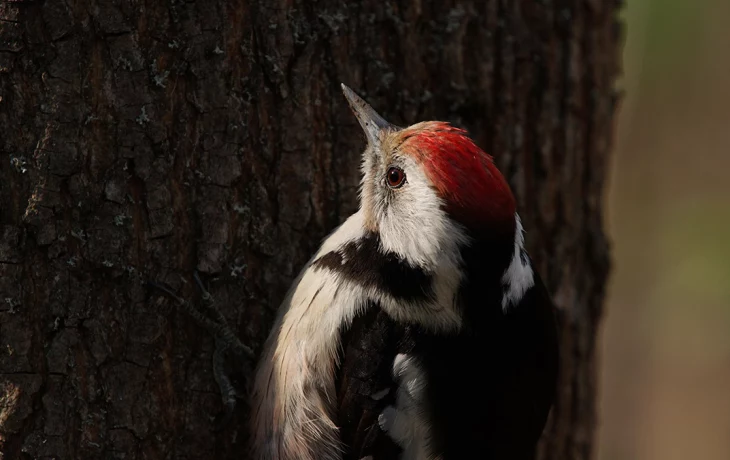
column 395, row 177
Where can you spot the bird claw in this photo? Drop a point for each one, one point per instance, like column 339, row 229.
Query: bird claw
column 386, row 419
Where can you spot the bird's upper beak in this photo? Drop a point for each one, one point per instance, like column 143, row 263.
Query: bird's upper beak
column 372, row 123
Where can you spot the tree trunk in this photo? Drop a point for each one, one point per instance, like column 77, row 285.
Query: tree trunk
column 145, row 140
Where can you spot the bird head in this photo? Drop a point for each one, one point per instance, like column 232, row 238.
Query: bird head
column 429, row 185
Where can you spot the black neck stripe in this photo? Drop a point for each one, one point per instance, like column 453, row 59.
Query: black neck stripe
column 364, row 262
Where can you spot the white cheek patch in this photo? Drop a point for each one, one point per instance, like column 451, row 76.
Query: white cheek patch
column 407, row 422
column 413, row 224
column 518, row 277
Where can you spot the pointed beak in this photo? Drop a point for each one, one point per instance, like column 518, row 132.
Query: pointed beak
column 372, row 123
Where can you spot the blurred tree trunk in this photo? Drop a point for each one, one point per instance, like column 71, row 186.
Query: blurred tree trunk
column 147, row 139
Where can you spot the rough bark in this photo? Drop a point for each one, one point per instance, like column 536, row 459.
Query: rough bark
column 147, row 139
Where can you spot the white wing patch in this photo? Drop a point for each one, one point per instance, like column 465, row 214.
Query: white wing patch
column 406, row 422
column 518, row 277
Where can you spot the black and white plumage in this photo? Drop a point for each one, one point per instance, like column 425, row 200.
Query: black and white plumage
column 419, row 329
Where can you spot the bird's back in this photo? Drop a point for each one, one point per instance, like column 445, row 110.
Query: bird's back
column 492, row 386
column 488, row 389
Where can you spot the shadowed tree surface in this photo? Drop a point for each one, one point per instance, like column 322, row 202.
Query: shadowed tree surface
column 145, row 140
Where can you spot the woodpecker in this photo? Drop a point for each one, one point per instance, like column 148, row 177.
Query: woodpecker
column 420, row 328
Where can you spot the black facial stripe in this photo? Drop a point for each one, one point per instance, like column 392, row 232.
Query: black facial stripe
column 363, row 262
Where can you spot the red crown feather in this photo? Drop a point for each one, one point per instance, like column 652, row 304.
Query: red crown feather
column 465, row 176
